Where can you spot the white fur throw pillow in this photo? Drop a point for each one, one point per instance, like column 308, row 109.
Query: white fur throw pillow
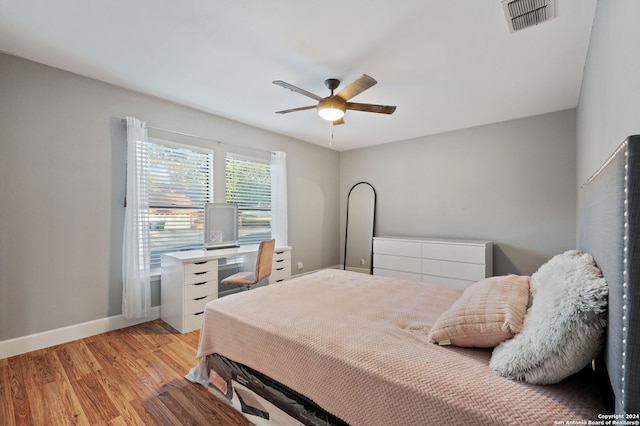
column 564, row 327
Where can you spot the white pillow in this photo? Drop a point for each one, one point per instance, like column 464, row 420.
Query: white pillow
column 564, row 327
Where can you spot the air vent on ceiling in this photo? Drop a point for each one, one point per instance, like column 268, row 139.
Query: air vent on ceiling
column 526, row 13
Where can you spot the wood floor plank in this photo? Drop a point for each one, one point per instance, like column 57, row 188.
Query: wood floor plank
column 156, row 367
column 19, row 397
column 39, row 369
column 133, row 376
column 6, row 410
column 160, row 412
column 34, row 388
column 77, row 359
column 198, row 400
column 181, row 353
column 143, row 413
column 63, row 408
column 92, row 396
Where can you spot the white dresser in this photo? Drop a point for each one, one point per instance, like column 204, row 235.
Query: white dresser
column 190, row 281
column 452, row 262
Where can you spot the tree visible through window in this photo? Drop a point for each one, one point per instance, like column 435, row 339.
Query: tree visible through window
column 248, row 184
column 180, row 183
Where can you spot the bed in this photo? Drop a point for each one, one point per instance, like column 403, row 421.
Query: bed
column 339, row 347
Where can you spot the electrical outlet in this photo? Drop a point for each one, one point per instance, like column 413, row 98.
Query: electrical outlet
column 300, row 265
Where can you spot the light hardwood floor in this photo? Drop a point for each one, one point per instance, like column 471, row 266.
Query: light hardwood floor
column 125, row 377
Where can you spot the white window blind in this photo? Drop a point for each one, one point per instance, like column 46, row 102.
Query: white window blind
column 248, row 184
column 180, row 183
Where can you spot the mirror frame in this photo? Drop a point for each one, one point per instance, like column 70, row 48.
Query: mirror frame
column 373, row 230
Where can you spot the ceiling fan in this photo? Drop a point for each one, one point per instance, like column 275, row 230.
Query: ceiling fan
column 333, row 107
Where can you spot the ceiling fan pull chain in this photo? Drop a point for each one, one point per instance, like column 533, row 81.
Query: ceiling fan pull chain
column 330, row 134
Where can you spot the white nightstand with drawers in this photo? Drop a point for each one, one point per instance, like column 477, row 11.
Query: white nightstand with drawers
column 190, row 281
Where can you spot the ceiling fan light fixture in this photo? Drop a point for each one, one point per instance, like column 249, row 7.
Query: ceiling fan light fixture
column 331, row 109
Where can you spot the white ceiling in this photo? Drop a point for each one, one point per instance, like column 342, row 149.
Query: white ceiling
column 446, row 64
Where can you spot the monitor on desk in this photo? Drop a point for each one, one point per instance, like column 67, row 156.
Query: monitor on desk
column 220, row 225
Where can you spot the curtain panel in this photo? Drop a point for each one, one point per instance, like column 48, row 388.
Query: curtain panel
column 136, row 290
column 279, row 218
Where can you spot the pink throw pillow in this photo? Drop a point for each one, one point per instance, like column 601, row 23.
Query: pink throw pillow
column 488, row 313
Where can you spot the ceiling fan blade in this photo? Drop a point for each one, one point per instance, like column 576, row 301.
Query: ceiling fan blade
column 286, row 111
column 381, row 109
column 357, row 87
column 297, row 89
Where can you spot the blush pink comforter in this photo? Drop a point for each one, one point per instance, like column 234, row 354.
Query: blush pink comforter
column 357, row 346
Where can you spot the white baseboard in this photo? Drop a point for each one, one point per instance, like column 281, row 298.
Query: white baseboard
column 316, row 270
column 49, row 338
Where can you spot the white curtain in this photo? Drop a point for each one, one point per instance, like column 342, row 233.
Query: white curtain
column 136, row 291
column 279, row 220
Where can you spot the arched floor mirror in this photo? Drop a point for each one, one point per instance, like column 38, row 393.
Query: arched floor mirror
column 358, row 241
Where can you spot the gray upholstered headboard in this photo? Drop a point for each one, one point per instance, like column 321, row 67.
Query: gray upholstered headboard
column 609, row 229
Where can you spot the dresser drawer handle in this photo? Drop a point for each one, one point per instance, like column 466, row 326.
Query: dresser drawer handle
column 200, row 263
column 281, row 260
column 200, row 298
column 199, row 313
column 200, row 273
column 279, row 269
column 202, row 283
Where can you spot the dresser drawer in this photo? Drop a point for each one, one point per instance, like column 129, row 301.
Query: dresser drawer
column 443, row 268
column 397, row 248
column 396, row 274
column 398, row 263
column 199, row 290
column 194, row 306
column 200, row 277
column 454, row 252
column 447, row 281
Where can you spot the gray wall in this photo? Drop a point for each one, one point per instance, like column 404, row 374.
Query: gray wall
column 62, row 163
column 512, row 183
column 609, row 107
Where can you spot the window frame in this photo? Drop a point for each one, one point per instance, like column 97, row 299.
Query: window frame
column 155, row 266
column 254, row 159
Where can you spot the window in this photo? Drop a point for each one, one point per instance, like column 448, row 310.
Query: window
column 248, row 184
column 180, row 183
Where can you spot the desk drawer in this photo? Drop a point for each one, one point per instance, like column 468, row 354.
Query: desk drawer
column 194, row 291
column 281, row 255
column 196, row 267
column 281, row 264
column 201, row 277
column 192, row 322
column 194, row 306
column 278, row 275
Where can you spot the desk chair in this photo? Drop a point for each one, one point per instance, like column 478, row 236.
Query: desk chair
column 264, row 263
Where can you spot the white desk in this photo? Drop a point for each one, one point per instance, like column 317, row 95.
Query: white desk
column 190, row 281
